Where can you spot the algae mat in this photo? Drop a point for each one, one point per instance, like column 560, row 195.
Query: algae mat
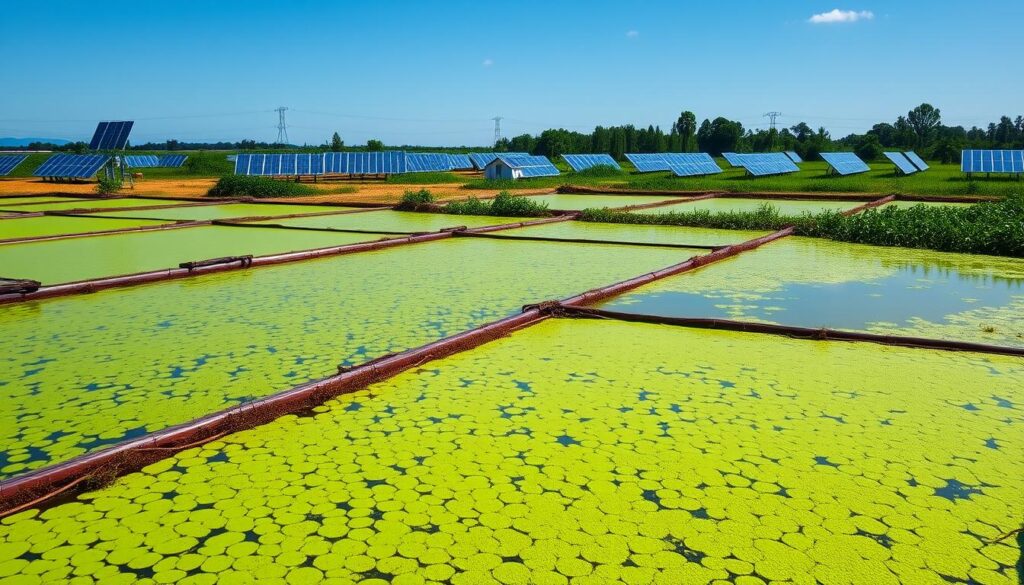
column 68, row 205
column 395, row 221
column 56, row 225
column 580, row 202
column 59, row 261
column 82, row 373
column 646, row 234
column 4, row 201
column 819, row 283
column 225, row 211
column 730, row 204
column 599, row 452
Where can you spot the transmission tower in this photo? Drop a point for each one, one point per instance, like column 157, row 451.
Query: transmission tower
column 497, row 129
column 282, row 126
column 771, row 117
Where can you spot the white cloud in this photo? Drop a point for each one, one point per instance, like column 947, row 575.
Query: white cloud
column 488, row 62
column 836, row 16
column 632, row 34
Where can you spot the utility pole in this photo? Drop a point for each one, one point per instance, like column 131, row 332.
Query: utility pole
column 282, row 126
column 497, row 129
column 771, row 117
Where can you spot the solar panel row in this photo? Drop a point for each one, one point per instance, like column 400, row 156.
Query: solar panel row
column 916, row 160
column 582, row 162
column 845, row 163
column 425, row 162
column 648, row 163
column 482, row 159
column 764, row 164
column 691, row 164
column 9, row 161
column 793, row 156
column 142, row 160
column 733, row 159
column 172, row 160
column 992, row 161
column 71, row 166
column 326, row 163
column 529, row 165
column 111, row 135
column 460, row 162
column 902, row 163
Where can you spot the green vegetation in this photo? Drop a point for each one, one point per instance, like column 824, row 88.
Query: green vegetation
column 986, row 228
column 504, row 205
column 259, row 187
column 600, row 171
column 107, row 185
column 415, row 200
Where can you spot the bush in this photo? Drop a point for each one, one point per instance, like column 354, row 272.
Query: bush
column 766, row 217
column 432, row 178
column 208, row 164
column 108, row 186
column 259, row 187
column 414, row 200
column 504, row 205
column 600, row 171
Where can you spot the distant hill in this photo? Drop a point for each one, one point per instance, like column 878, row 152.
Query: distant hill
column 8, row 141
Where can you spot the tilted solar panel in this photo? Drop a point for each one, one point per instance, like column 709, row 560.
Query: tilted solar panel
column 734, row 160
column 460, row 162
column 530, row 166
column 388, row 162
column 916, row 160
column 172, row 160
column 329, row 163
column 582, row 162
column 111, row 135
column 141, row 160
column 992, row 161
column 793, row 156
column 9, row 161
column 424, row 162
column 648, row 163
column 763, row 164
column 482, row 159
column 71, row 166
column 691, row 164
column 902, row 163
column 845, row 163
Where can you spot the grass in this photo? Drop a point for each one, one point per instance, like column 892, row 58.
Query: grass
column 504, row 205
column 995, row 228
column 259, row 187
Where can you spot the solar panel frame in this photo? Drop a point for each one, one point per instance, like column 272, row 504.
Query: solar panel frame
column 171, row 160
column 582, row 162
column 71, row 166
column 916, row 160
column 845, row 163
column 992, row 161
column 9, row 162
column 111, row 135
column 793, row 156
column 136, row 161
column 902, row 163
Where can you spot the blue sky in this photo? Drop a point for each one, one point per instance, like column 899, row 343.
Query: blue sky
column 436, row 72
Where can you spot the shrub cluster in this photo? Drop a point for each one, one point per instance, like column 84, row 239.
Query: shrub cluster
column 259, row 187
column 766, row 217
column 415, row 200
column 504, row 205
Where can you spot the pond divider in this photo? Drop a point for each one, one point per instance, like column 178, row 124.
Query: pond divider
column 822, row 334
column 869, row 205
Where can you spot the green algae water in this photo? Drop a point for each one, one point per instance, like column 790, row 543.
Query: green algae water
column 580, row 202
column 4, row 201
column 395, row 221
column 819, row 283
column 225, row 211
column 647, row 234
column 730, row 204
column 597, row 452
column 59, row 261
column 82, row 373
column 55, row 225
column 67, row 205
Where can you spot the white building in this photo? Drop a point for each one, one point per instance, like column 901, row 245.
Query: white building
column 519, row 167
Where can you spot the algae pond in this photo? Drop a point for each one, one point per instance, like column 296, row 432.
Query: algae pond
column 642, row 234
column 56, row 225
column 225, row 211
column 571, row 202
column 72, row 204
column 407, row 222
column 587, row 450
column 736, row 204
column 85, row 372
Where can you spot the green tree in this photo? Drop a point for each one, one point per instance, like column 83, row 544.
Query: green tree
column 718, row 136
column 337, row 144
column 868, row 148
column 374, row 145
column 924, row 119
column 686, row 127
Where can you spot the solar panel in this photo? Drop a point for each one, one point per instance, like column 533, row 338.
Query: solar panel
column 992, row 161
column 793, row 156
column 902, row 163
column 141, row 160
column 530, row 166
column 424, row 162
column 72, row 166
column 734, row 160
column 482, row 159
column 691, row 164
column 460, row 162
column 9, row 161
column 111, row 135
column 171, row 160
column 916, row 160
column 648, row 163
column 763, row 164
column 582, row 162
column 845, row 163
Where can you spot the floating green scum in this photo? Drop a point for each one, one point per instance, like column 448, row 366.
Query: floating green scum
column 819, row 283
column 586, row 452
column 81, row 373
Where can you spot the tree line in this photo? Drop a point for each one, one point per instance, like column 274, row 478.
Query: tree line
column 920, row 129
